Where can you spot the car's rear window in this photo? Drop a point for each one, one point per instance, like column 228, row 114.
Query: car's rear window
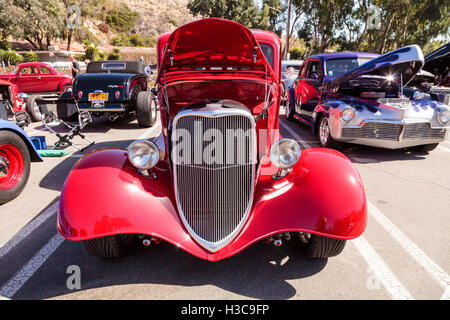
column 114, row 65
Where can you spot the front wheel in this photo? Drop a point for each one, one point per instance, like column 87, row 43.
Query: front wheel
column 325, row 138
column 109, row 247
column 319, row 247
column 14, row 165
column 33, row 109
column 146, row 109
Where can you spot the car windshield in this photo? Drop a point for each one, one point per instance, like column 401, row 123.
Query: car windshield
column 268, row 52
column 337, row 67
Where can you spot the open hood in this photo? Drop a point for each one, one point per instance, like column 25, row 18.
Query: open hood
column 213, row 44
column 438, row 61
column 406, row 61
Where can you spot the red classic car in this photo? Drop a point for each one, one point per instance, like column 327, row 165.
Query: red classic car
column 12, row 104
column 219, row 177
column 35, row 79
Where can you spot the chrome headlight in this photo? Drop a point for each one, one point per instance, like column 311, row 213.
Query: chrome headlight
column 285, row 153
column 348, row 114
column 143, row 154
column 443, row 116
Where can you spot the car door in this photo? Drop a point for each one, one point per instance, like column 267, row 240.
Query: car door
column 311, row 84
column 49, row 80
column 307, row 90
column 27, row 78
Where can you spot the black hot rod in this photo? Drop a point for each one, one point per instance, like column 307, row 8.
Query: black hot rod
column 112, row 89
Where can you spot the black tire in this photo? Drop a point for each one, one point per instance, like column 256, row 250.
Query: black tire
column 8, row 137
column 425, row 147
column 319, row 247
column 290, row 111
column 62, row 108
column 325, row 138
column 33, row 108
column 109, row 247
column 146, row 109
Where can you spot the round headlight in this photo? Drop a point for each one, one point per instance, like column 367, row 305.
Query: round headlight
column 285, row 153
column 443, row 116
column 348, row 114
column 143, row 154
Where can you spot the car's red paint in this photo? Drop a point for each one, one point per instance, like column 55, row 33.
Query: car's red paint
column 16, row 102
column 41, row 78
column 105, row 195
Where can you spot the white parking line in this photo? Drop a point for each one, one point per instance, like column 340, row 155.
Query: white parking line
column 444, row 148
column 390, row 282
column 412, row 249
column 28, row 229
column 26, row 272
column 295, row 135
column 149, row 131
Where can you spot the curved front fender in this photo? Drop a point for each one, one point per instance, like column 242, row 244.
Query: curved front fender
column 105, row 195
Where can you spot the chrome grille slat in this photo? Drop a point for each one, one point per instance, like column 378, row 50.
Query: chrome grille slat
column 214, row 199
column 417, row 131
column 392, row 131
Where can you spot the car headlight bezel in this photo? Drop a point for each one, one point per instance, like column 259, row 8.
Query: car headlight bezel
column 348, row 114
column 285, row 153
column 141, row 148
column 443, row 116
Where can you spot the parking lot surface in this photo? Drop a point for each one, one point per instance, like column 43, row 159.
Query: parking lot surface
column 403, row 254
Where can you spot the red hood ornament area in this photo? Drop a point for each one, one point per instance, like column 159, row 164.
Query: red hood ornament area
column 219, row 177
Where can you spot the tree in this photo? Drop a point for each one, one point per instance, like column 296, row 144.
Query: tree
column 36, row 21
column 243, row 11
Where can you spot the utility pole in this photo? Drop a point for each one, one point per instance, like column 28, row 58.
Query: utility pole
column 288, row 27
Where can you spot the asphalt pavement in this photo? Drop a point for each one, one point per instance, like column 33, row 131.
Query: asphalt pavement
column 403, row 254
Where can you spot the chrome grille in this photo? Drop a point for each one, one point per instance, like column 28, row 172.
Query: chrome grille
column 392, row 131
column 423, row 130
column 374, row 130
column 214, row 196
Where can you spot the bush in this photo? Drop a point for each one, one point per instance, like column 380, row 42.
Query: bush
column 122, row 20
column 295, row 53
column 30, row 57
column 133, row 40
column 10, row 57
column 173, row 22
column 4, row 45
column 93, row 54
column 115, row 55
column 84, row 35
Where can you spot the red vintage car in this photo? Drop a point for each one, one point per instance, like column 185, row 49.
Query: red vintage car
column 12, row 104
column 219, row 177
column 36, row 79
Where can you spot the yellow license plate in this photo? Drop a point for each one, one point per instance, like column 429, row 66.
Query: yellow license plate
column 98, row 97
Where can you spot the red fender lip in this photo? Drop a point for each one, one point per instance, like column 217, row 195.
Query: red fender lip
column 105, row 195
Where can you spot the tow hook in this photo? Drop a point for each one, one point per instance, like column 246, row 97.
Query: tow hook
column 147, row 241
column 277, row 240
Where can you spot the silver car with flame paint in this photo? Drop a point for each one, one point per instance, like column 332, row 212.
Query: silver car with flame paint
column 357, row 98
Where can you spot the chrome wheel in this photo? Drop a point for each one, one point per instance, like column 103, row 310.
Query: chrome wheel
column 324, row 131
column 154, row 110
column 37, row 111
